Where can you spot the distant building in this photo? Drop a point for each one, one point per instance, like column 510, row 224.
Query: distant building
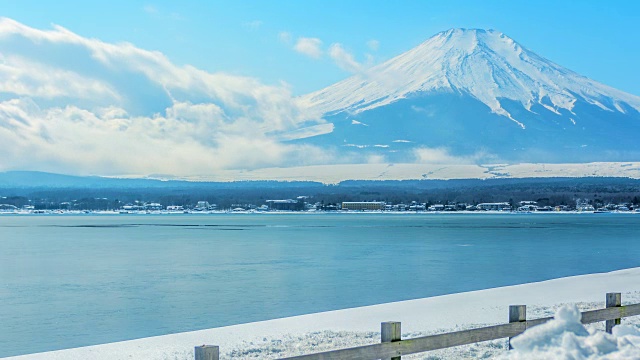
column 131, row 207
column 330, row 207
column 585, row 208
column 525, row 203
column 528, row 208
column 400, row 207
column 285, row 205
column 582, row 205
column 153, row 206
column 417, row 207
column 204, row 205
column 363, row 205
column 501, row 206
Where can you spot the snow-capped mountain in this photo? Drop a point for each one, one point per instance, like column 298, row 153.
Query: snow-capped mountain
column 475, row 94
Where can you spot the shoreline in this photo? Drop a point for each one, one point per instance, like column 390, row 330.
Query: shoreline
column 475, row 308
column 165, row 213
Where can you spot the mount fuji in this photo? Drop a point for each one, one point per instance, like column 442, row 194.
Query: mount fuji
column 479, row 96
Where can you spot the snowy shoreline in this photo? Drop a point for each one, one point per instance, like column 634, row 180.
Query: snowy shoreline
column 358, row 326
column 353, row 212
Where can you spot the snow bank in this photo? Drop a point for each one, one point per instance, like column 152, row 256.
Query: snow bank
column 565, row 337
column 333, row 174
column 359, row 326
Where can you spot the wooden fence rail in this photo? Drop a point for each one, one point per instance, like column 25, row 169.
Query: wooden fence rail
column 392, row 347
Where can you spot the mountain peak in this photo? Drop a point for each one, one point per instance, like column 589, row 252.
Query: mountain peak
column 485, row 64
column 456, row 32
column 473, row 37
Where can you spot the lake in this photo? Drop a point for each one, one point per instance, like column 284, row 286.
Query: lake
column 76, row 280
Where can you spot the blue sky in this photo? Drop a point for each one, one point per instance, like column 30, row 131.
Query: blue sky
column 195, row 88
column 598, row 39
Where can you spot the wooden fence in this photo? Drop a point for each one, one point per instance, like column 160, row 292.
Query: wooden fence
column 392, row 347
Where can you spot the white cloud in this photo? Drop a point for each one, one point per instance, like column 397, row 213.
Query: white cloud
column 157, row 14
column 150, row 9
column 376, row 159
column 426, row 155
column 253, row 25
column 309, row 46
column 84, row 106
column 312, row 47
column 373, row 45
column 344, row 59
column 285, row 37
column 22, row 76
column 188, row 139
column 434, row 156
column 370, row 60
column 426, row 110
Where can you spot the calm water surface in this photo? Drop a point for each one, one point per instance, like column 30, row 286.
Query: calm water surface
column 69, row 281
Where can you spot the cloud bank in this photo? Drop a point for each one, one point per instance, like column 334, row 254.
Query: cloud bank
column 373, row 44
column 344, row 59
column 341, row 57
column 82, row 106
column 309, row 46
column 426, row 155
column 75, row 105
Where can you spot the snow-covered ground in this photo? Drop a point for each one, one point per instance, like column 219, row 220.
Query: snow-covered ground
column 333, row 174
column 359, row 326
column 566, row 338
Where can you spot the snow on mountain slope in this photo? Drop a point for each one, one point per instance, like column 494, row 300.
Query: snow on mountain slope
column 485, row 64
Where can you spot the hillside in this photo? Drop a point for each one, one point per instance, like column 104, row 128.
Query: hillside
column 469, row 96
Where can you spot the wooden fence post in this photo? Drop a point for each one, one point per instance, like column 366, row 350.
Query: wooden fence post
column 390, row 331
column 207, row 352
column 613, row 300
column 517, row 313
